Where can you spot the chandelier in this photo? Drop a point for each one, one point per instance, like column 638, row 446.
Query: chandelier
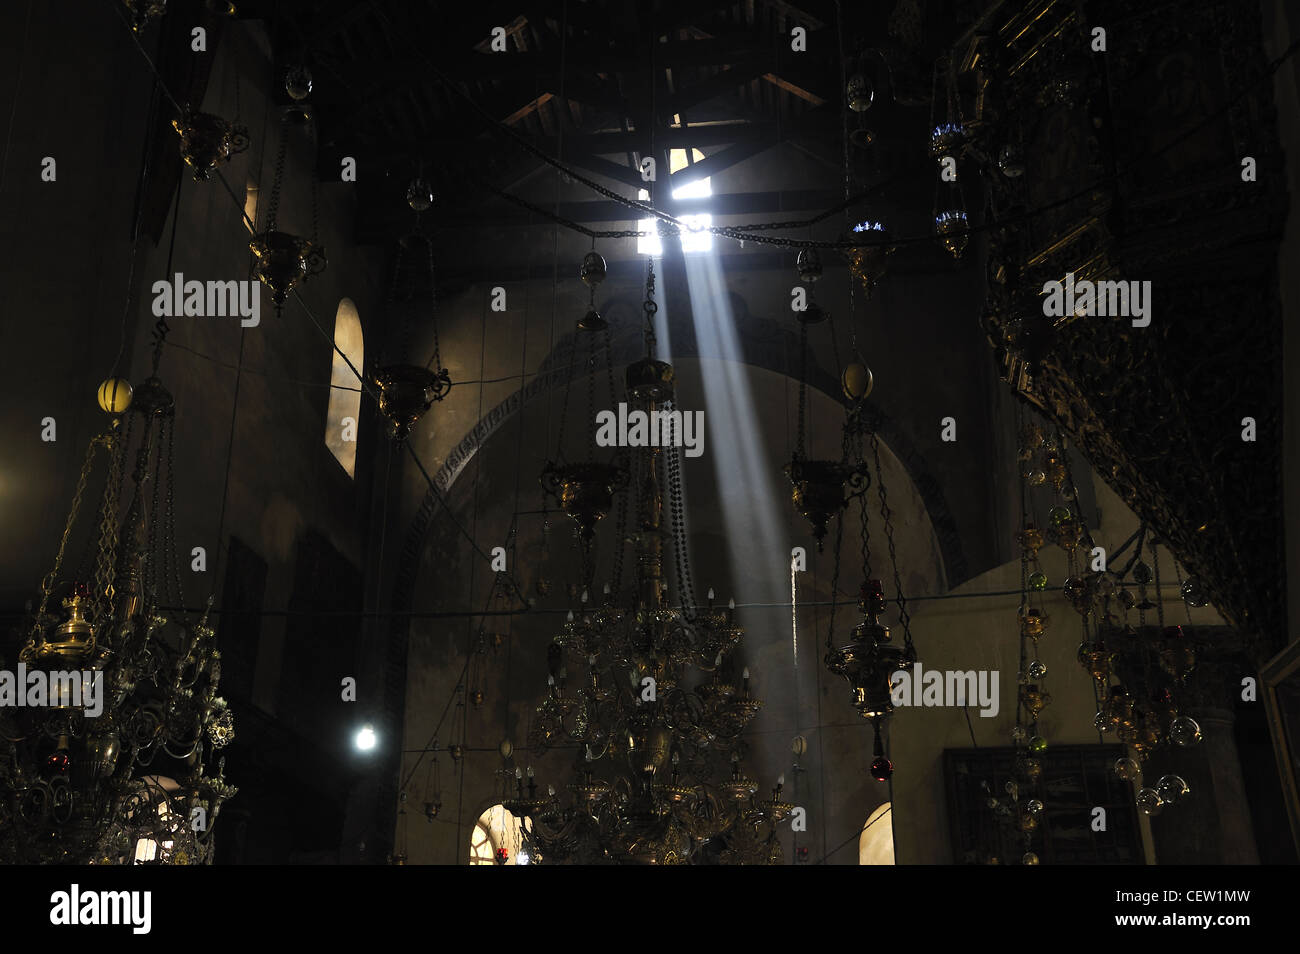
column 127, row 681
column 656, row 716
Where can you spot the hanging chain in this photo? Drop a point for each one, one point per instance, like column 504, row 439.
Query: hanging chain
column 835, row 583
column 169, row 514
column 277, row 176
column 109, row 528
column 887, row 516
column 151, row 557
column 436, row 362
column 851, row 452
column 47, row 584
column 590, row 424
column 564, row 403
column 620, row 542
column 685, row 580
column 802, row 427
column 609, row 367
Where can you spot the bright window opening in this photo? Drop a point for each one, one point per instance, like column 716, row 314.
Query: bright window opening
column 499, row 838
column 876, row 843
column 694, row 239
column 345, row 387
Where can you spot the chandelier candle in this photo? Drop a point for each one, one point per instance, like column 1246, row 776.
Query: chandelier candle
column 196, row 299
column 61, row 690
column 654, row 428
column 951, row 688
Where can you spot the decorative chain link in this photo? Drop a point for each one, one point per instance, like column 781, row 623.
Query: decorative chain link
column 106, row 562
column 173, row 557
column 436, row 361
column 904, row 617
column 620, row 543
column 835, row 583
column 153, row 572
column 590, row 424
column 572, row 352
column 685, row 580
column 277, row 177
column 802, row 426
column 47, row 584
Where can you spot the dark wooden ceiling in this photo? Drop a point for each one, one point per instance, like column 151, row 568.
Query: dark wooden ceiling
column 406, row 85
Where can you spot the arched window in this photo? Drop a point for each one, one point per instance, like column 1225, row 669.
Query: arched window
column 499, row 838
column 876, row 843
column 345, row 387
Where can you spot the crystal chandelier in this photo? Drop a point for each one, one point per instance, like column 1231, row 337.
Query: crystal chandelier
column 133, row 682
column 659, row 776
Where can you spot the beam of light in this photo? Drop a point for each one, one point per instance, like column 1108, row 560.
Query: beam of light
column 755, row 529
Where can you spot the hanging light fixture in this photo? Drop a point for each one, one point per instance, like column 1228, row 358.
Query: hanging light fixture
column 208, row 140
column 872, row 656
column 650, row 787
column 820, row 489
column 585, row 489
column 133, row 682
column 283, row 260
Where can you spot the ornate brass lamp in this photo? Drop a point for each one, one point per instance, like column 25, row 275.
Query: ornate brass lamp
column 823, row 488
column 406, row 392
column 70, row 788
column 283, row 260
column 208, row 140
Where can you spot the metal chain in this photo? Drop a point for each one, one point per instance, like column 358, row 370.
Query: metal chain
column 903, row 616
column 47, row 584
column 835, row 583
column 802, row 427
column 591, row 394
column 609, row 366
column 151, row 557
column 564, row 403
column 172, row 556
column 436, row 361
column 277, row 176
column 106, row 561
column 685, row 580
column 620, row 542
column 835, row 348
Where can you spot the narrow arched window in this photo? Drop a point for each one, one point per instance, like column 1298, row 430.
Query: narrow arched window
column 499, row 838
column 876, row 843
column 345, row 387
